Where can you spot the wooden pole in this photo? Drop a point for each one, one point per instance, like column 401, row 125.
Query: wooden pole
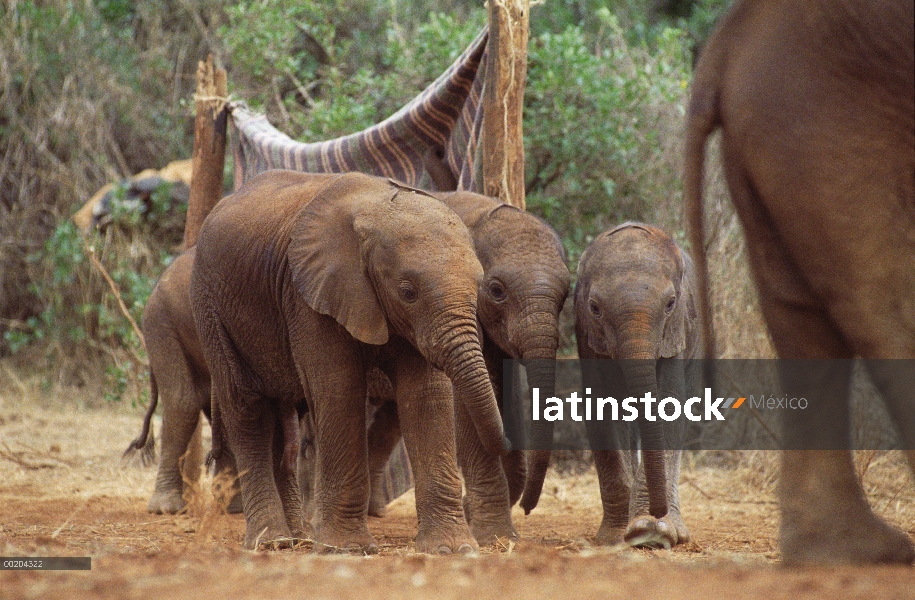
column 506, row 74
column 209, row 147
column 206, row 190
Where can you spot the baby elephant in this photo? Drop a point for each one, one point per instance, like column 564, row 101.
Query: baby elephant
column 179, row 376
column 634, row 300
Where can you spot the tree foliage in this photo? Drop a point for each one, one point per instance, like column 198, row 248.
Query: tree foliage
column 96, row 90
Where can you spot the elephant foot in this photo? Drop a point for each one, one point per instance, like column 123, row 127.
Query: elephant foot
column 268, row 537
column 456, row 541
column 489, row 526
column 344, row 542
column 855, row 539
column 167, row 502
column 826, row 518
column 649, row 532
column 680, row 528
column 610, row 534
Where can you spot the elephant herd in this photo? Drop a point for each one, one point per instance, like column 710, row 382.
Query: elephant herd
column 303, row 289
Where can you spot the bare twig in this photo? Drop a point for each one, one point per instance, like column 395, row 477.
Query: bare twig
column 114, row 290
column 61, row 528
column 696, row 486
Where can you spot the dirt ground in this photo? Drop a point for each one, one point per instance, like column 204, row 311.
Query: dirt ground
column 65, row 492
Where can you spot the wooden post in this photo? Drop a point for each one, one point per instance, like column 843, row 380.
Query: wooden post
column 206, row 190
column 503, row 101
column 209, row 147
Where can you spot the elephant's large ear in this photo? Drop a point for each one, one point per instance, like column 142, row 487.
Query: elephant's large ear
column 325, row 255
column 673, row 341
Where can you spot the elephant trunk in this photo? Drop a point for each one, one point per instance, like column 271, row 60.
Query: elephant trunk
column 462, row 361
column 639, row 370
column 539, row 356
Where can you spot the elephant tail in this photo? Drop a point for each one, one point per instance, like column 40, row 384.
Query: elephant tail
column 144, row 447
column 703, row 117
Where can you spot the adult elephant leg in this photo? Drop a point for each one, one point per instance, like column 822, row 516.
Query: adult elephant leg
column 825, row 515
column 426, row 408
column 383, row 436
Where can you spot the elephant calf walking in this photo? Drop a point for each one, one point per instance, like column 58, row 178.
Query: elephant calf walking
column 634, row 303
column 179, row 376
column 301, row 284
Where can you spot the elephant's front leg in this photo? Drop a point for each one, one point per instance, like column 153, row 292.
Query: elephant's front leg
column 487, row 505
column 614, row 477
column 426, row 408
column 645, row 530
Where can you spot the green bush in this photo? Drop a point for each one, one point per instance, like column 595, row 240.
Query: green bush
column 96, row 91
column 600, row 117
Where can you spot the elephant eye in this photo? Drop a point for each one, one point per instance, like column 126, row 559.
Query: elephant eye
column 497, row 291
column 670, row 304
column 407, row 292
column 594, row 307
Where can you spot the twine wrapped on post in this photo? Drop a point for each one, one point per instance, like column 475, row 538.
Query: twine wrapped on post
column 210, row 102
column 506, row 74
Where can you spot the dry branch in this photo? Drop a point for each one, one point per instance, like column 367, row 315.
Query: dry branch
column 114, row 290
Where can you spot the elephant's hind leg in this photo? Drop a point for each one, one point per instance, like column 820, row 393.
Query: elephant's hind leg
column 251, row 438
column 284, row 471
column 383, row 436
column 825, row 515
column 179, row 421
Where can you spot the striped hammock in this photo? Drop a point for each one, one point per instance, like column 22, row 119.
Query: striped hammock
column 431, row 143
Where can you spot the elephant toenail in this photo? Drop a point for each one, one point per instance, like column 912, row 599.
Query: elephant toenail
column 466, row 550
column 443, row 551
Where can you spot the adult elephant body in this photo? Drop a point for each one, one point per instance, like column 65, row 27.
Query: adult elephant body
column 815, row 104
column 300, row 285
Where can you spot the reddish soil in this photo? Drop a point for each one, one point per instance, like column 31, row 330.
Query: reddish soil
column 65, row 492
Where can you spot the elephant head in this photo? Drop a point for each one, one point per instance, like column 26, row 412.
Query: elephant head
column 407, row 265
column 525, row 285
